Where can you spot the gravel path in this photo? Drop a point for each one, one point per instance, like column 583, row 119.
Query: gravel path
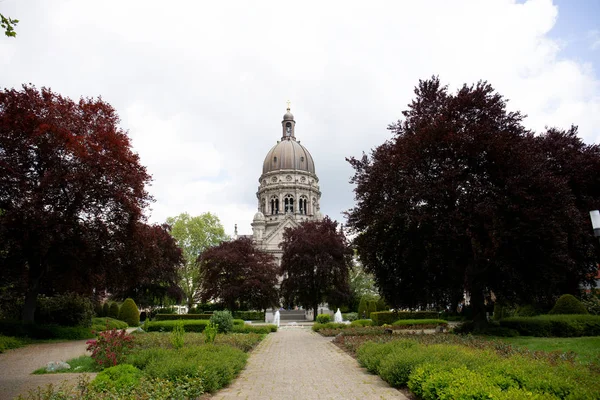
column 296, row 363
column 17, row 365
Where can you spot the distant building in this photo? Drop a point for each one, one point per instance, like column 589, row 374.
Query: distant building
column 288, row 191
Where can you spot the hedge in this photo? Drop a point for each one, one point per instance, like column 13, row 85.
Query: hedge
column 261, row 329
column 448, row 371
column 249, row 315
column 38, row 331
column 170, row 317
column 389, row 317
column 419, row 323
column 571, row 325
column 129, row 312
column 196, row 325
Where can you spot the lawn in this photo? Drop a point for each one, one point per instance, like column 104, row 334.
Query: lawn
column 586, row 348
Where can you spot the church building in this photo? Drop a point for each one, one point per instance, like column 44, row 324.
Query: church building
column 288, row 191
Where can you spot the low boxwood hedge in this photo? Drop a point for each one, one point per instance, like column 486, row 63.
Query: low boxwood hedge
column 196, row 325
column 418, row 323
column 39, row 331
column 571, row 325
column 249, row 315
column 262, row 329
column 170, row 317
column 330, row 325
column 389, row 317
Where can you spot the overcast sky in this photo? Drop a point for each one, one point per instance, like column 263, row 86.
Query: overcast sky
column 202, row 86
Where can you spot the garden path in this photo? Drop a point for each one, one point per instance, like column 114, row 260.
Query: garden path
column 17, row 365
column 296, row 363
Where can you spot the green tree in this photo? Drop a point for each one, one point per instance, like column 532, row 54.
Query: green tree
column 362, row 308
column 361, row 284
column 371, row 307
column 193, row 236
column 129, row 312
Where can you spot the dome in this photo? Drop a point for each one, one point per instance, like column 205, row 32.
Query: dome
column 288, row 154
column 259, row 217
column 288, row 116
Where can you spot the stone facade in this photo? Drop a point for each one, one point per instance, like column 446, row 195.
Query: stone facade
column 288, row 191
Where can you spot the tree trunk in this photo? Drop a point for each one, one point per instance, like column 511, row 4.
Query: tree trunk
column 36, row 271
column 478, row 308
column 316, row 308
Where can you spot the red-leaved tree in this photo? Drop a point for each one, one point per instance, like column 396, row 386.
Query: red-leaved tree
column 71, row 193
column 238, row 274
column 315, row 264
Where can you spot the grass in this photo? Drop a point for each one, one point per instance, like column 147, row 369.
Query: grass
column 9, row 342
column 587, row 348
column 104, row 323
column 79, row 364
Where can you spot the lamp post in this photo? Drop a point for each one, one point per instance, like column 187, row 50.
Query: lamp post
column 595, row 217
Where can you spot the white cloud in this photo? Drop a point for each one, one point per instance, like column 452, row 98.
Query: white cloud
column 201, row 86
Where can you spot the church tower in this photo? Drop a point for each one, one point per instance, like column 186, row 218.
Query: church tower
column 288, row 191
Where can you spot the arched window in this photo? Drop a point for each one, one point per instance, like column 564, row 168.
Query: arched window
column 274, row 205
column 302, row 205
column 289, row 203
column 288, row 129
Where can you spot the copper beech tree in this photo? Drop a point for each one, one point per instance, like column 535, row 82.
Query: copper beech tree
column 315, row 264
column 463, row 199
column 71, row 198
column 239, row 275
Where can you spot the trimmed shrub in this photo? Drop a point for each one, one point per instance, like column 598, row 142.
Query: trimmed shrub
column 330, row 325
column 223, row 319
column 389, row 317
column 568, row 304
column 171, row 317
column 528, row 310
column 362, row 322
column 555, row 325
column 362, row 308
column 261, row 329
column 419, row 323
column 113, row 310
column 98, row 310
column 105, row 309
column 129, row 313
column 196, row 325
column 67, row 309
column 238, row 322
column 106, row 323
column 121, row 377
column 216, row 365
column 249, row 315
column 371, row 307
column 323, row 318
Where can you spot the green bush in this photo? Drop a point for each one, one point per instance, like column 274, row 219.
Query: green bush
column 171, row 317
column 177, row 335
column 527, row 310
column 555, row 325
column 591, row 302
column 124, row 377
column 419, row 323
column 330, row 325
column 113, row 310
column 362, row 308
column 447, row 371
column 351, row 316
column 163, row 310
column 362, row 322
column 216, row 365
column 262, row 329
column 8, row 342
column 323, row 318
column 210, row 333
column 568, row 304
column 223, row 319
column 249, row 315
column 67, row 309
column 105, row 310
column 129, row 313
column 389, row 317
column 106, row 323
column 39, row 331
column 371, row 307
column 98, row 310
column 196, row 325
column 238, row 322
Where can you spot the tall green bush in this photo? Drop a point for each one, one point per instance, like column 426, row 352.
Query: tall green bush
column 568, row 304
column 223, row 319
column 68, row 309
column 371, row 307
column 98, row 309
column 113, row 310
column 362, row 308
column 129, row 313
column 105, row 309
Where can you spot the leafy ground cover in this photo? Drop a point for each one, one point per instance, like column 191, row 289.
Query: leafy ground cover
column 155, row 368
column 105, row 323
column 9, row 342
column 455, row 366
column 78, row 364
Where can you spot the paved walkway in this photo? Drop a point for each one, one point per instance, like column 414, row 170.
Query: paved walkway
column 17, row 365
column 296, row 363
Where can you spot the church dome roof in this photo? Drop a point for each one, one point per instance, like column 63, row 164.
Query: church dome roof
column 288, row 154
column 288, row 116
column 259, row 217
